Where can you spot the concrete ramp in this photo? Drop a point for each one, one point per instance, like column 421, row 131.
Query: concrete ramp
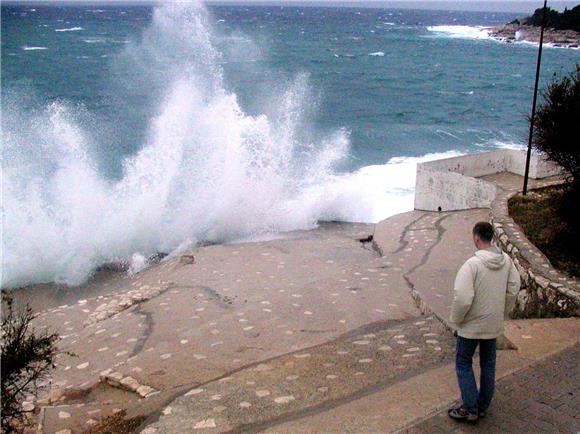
column 435, row 245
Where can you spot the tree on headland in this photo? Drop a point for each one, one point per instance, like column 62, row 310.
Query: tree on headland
column 557, row 131
column 27, row 357
column 567, row 20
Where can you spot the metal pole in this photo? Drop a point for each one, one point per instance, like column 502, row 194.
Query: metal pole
column 533, row 116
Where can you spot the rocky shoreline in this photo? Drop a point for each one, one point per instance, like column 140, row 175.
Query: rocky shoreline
column 523, row 33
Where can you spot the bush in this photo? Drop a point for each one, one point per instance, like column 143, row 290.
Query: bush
column 567, row 20
column 27, row 357
column 539, row 216
column 557, row 126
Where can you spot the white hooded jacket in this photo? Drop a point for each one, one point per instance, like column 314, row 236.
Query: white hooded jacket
column 485, row 291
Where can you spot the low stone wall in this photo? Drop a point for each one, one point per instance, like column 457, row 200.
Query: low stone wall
column 450, row 184
column 545, row 292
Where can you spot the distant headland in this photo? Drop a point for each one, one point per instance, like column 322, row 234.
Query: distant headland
column 562, row 28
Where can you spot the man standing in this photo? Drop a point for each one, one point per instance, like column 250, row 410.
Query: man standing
column 485, row 290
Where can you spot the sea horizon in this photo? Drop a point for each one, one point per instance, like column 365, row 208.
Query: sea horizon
column 520, row 6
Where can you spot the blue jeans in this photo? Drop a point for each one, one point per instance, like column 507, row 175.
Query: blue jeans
column 475, row 401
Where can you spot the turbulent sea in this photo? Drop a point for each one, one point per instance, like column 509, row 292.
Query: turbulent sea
column 131, row 130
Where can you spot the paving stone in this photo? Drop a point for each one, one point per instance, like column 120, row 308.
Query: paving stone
column 551, row 389
column 258, row 394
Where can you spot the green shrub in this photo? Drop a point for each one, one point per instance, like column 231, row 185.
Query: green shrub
column 539, row 216
column 27, row 357
column 567, row 20
column 557, row 135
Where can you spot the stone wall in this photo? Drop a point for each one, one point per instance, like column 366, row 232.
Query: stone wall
column 545, row 292
column 450, row 184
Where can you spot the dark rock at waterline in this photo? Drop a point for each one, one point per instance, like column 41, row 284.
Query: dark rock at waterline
column 187, row 259
column 517, row 32
column 124, row 265
column 114, row 267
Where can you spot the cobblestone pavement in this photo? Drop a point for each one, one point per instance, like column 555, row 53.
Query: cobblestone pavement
column 314, row 379
column 544, row 398
column 188, row 325
column 182, row 324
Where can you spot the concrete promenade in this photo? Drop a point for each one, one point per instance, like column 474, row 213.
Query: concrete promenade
column 315, row 332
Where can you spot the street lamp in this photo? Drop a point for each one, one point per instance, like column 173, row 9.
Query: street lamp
column 533, row 116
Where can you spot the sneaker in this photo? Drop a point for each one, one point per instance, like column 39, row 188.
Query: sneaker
column 461, row 414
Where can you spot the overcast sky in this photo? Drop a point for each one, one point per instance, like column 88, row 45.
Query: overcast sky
column 507, row 6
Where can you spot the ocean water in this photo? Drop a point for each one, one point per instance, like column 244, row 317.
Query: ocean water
column 131, row 130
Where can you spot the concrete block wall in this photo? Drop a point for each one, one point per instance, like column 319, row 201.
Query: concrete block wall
column 448, row 191
column 450, row 184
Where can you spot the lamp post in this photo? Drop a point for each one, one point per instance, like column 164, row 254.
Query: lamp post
column 533, row 116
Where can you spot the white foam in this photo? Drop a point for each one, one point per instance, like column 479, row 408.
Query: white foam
column 71, row 29
column 482, row 32
column 138, row 263
column 507, row 145
column 463, row 32
column 377, row 54
column 206, row 171
column 26, row 48
column 370, row 194
column 94, row 40
column 545, row 45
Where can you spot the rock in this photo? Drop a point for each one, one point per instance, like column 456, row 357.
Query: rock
column 145, row 391
column 130, row 383
column 55, row 395
column 542, row 281
column 522, row 298
column 114, row 379
column 194, row 392
column 206, row 423
column 284, row 399
column 63, row 415
column 27, row 406
column 64, row 431
column 104, row 374
column 187, row 259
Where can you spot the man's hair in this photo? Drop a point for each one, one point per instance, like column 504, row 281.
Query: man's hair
column 484, row 230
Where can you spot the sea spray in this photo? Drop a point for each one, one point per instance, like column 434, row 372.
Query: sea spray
column 205, row 171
